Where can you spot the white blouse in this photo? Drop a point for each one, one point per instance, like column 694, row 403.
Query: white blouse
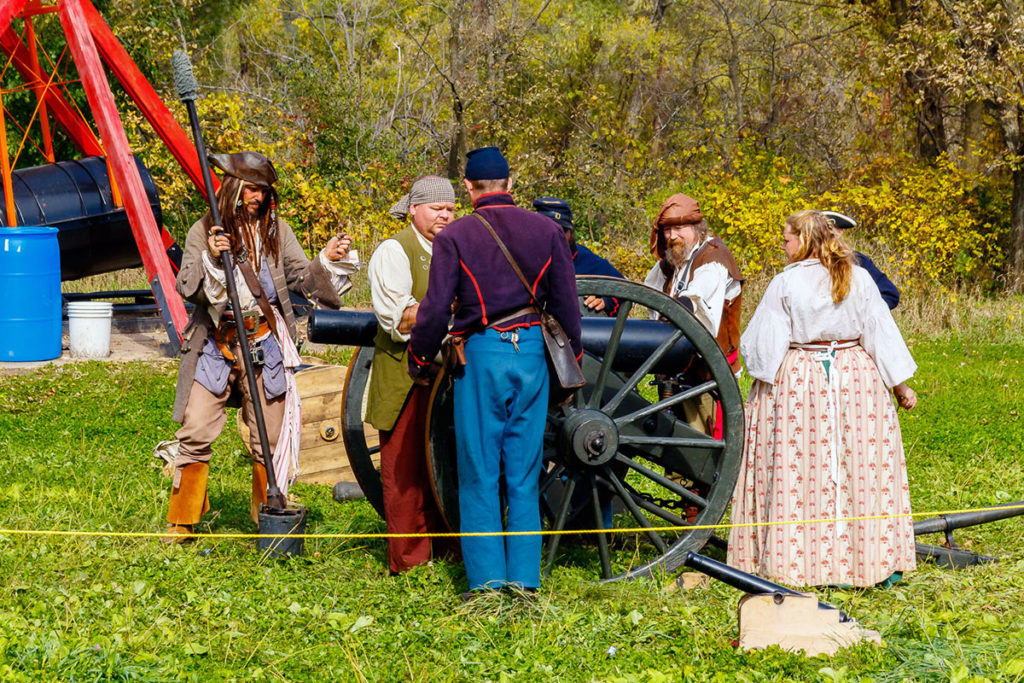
column 797, row 308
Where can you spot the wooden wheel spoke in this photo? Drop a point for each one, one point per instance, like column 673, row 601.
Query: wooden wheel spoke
column 681, row 441
column 640, row 372
column 547, row 510
column 672, row 519
column 693, row 392
column 610, row 351
column 602, row 539
column 563, row 514
column 657, row 540
column 664, row 481
column 550, row 478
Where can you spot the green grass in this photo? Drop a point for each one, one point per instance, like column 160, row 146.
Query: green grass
column 76, row 446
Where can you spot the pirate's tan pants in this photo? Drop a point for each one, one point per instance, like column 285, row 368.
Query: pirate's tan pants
column 205, row 416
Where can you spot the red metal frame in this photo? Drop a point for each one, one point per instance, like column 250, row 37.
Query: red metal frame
column 94, row 45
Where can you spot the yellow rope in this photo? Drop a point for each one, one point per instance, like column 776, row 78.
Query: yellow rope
column 624, row 530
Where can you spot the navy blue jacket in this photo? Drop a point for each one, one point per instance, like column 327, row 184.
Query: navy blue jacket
column 468, row 265
column 587, row 262
column 890, row 294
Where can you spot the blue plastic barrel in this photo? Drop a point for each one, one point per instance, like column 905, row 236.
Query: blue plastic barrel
column 30, row 319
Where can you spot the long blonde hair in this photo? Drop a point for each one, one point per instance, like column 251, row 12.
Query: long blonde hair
column 820, row 239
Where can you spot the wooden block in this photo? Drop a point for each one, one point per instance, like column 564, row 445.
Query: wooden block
column 797, row 623
column 322, row 456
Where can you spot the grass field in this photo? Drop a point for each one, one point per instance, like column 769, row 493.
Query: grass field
column 76, row 446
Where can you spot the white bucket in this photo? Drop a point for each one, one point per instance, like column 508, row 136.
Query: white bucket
column 89, row 328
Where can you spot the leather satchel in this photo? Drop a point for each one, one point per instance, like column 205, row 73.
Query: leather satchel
column 453, row 355
column 560, row 355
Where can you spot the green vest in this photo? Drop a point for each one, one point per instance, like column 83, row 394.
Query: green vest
column 389, row 379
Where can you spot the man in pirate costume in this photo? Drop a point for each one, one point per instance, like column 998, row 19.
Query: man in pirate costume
column 268, row 262
column 398, row 273
column 698, row 270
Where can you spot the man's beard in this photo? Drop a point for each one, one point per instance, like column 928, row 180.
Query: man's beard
column 677, row 253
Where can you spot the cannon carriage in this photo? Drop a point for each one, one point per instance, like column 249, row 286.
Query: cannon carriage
column 617, row 443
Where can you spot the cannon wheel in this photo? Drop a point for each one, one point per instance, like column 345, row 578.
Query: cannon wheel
column 353, row 430
column 653, row 467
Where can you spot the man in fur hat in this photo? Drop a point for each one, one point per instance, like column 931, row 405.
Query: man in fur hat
column 397, row 407
column 268, row 262
column 697, row 269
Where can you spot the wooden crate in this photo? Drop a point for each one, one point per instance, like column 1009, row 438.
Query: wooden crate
column 322, row 456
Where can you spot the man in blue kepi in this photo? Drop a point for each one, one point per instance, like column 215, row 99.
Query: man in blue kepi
column 584, row 261
column 890, row 295
column 501, row 399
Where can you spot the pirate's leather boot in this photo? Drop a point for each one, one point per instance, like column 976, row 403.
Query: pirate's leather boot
column 188, row 502
column 259, row 491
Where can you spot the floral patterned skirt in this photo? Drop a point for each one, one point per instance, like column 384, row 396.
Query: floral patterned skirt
column 823, row 442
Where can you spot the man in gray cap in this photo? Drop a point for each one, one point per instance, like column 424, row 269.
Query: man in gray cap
column 395, row 405
column 268, row 262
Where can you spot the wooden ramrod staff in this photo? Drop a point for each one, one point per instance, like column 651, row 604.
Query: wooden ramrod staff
column 188, row 91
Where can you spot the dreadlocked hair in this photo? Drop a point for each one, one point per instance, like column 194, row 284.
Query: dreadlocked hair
column 820, row 239
column 235, row 218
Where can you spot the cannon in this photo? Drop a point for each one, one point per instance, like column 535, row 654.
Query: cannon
column 616, row 441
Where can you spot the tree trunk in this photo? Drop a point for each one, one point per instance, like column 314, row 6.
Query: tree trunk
column 1010, row 115
column 931, row 129
column 1016, row 274
column 457, row 141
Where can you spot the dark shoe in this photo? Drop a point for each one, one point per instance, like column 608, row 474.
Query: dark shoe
column 527, row 594
column 479, row 593
column 347, row 490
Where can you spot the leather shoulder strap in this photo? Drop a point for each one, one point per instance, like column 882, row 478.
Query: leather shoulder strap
column 253, row 283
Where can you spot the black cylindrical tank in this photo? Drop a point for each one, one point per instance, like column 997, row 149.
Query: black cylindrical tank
column 75, row 197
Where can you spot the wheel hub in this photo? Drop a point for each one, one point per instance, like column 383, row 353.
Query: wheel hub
column 589, row 438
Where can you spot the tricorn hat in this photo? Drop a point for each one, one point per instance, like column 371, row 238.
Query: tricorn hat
column 842, row 222
column 252, row 167
column 556, row 209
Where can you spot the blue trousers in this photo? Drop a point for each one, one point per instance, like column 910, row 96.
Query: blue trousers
column 500, row 410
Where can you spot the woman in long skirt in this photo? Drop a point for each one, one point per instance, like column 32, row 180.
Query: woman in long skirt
column 823, row 440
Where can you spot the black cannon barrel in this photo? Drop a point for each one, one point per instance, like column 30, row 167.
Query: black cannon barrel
column 959, row 520
column 748, row 583
column 76, row 198
column 347, row 328
column 640, row 338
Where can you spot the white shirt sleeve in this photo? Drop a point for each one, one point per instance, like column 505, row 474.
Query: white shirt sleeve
column 216, row 289
column 707, row 292
column 340, row 271
column 880, row 337
column 655, row 280
column 390, row 279
column 765, row 342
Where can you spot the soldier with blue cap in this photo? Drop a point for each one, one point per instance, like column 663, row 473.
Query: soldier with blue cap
column 584, row 261
column 501, row 399
column 890, row 294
